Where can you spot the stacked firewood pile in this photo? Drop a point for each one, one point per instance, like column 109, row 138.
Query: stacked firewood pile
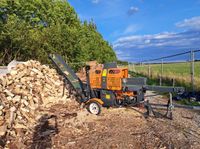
column 27, row 89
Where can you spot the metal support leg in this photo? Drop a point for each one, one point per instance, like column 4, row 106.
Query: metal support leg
column 170, row 107
column 149, row 108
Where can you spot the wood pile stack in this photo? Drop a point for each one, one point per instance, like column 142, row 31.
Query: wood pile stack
column 28, row 88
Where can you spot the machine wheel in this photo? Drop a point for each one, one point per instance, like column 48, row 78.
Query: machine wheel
column 94, row 108
column 118, row 103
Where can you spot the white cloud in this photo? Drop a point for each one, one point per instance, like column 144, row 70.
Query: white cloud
column 131, row 29
column 127, row 31
column 147, row 41
column 156, row 44
column 141, row 47
column 132, row 10
column 95, row 1
column 156, row 40
column 192, row 23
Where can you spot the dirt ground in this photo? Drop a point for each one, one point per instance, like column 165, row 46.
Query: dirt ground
column 119, row 128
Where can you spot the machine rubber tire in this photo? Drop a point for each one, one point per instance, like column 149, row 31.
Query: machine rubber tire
column 94, row 107
column 118, row 103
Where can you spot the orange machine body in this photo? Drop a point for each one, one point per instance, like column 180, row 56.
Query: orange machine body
column 113, row 77
column 114, row 81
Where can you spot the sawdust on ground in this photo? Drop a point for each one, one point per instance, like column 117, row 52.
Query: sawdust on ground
column 123, row 128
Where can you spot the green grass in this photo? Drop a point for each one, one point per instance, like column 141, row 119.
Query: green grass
column 187, row 102
column 182, row 69
column 178, row 71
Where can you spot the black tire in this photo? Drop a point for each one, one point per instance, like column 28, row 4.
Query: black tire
column 94, row 108
column 118, row 103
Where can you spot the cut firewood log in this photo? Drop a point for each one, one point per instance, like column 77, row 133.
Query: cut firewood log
column 25, row 92
column 3, row 130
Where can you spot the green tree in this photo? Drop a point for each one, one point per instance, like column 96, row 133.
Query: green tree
column 33, row 29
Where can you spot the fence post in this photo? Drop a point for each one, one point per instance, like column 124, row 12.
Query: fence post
column 161, row 75
column 128, row 66
column 192, row 70
column 133, row 67
column 173, row 82
column 149, row 70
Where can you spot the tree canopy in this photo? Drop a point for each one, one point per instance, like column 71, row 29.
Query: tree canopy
column 31, row 29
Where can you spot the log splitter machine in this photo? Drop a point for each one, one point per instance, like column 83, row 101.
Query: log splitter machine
column 108, row 86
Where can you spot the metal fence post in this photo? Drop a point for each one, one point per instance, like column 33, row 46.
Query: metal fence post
column 133, row 67
column 192, row 70
column 173, row 82
column 129, row 66
column 149, row 70
column 161, row 75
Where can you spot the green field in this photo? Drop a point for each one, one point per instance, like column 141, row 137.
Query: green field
column 181, row 72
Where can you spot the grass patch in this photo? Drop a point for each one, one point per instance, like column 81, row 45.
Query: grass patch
column 180, row 72
column 187, row 102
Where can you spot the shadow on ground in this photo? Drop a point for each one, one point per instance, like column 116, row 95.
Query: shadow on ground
column 44, row 131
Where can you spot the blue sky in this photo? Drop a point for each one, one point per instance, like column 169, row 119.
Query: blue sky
column 144, row 29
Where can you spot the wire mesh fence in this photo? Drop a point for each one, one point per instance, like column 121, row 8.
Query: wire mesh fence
column 179, row 69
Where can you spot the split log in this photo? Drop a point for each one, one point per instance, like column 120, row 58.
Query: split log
column 28, row 87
